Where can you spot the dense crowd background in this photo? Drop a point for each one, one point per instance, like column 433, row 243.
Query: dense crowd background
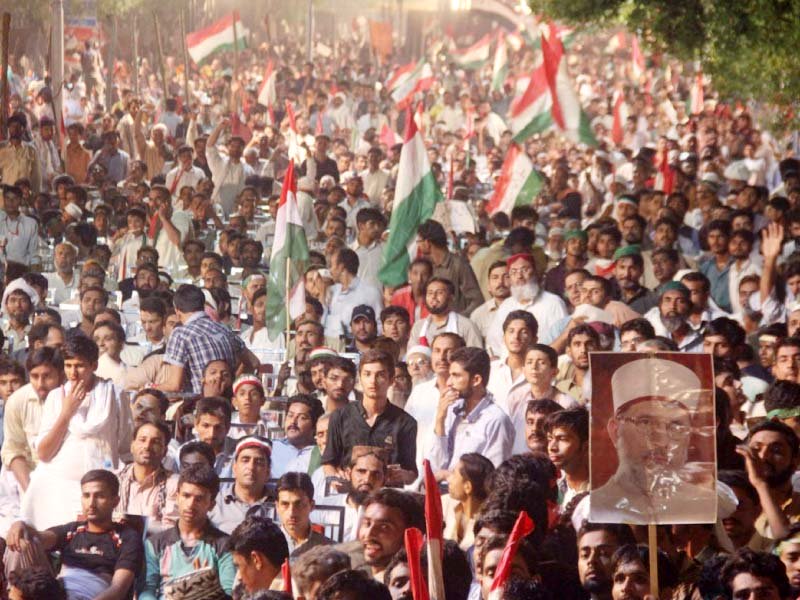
column 159, row 437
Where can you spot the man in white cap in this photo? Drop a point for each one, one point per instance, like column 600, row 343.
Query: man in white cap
column 19, row 299
column 651, row 430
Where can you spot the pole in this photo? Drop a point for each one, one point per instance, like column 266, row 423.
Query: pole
column 185, row 62
column 112, row 59
column 4, row 75
column 160, row 56
column 287, row 299
column 235, row 49
column 57, row 66
column 136, row 55
column 652, row 543
column 309, row 29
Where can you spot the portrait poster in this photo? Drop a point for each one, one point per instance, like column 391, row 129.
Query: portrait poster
column 653, row 438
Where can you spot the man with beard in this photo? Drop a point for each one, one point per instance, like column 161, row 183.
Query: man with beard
column 293, row 453
column 651, row 428
column 338, row 383
column 364, row 328
column 420, row 404
column 18, row 159
column 310, row 334
column 596, row 546
column 789, row 553
column 251, row 471
column 630, row 568
column 19, row 231
column 65, row 279
column 771, row 458
column 582, row 340
column 740, row 525
column 439, row 294
column 628, row 271
column 467, row 417
column 366, row 472
column 387, row 514
column 526, row 294
column 498, row 291
column 19, row 299
column 671, row 317
column 229, row 173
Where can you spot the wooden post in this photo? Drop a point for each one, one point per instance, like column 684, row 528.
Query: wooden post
column 112, row 59
column 187, row 101
column 652, row 544
column 160, row 56
column 135, row 25
column 4, row 75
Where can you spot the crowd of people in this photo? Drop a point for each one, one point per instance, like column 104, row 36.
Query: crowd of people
column 159, row 438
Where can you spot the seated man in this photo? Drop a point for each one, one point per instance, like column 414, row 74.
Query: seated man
column 315, row 567
column 293, row 453
column 193, row 543
column 251, row 471
column 293, row 507
column 259, row 549
column 100, row 558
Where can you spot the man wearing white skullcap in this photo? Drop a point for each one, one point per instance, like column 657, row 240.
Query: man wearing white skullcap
column 19, row 300
column 651, row 428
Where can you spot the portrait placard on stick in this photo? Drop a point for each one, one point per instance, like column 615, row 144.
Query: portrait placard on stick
column 653, row 438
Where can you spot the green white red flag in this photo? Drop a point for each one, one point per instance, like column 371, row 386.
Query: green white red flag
column 415, row 197
column 500, row 64
column 217, row 37
column 519, row 183
column 407, row 84
column 473, row 57
column 266, row 93
column 285, row 285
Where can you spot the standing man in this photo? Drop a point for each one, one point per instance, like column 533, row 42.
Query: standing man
column 717, row 266
column 229, row 172
column 467, row 418
column 373, row 421
column 168, row 229
column 375, row 178
column 18, row 233
column 498, row 291
column 348, row 293
column 439, row 300
column 184, row 174
column 18, row 158
column 370, row 225
column 520, row 331
column 432, row 244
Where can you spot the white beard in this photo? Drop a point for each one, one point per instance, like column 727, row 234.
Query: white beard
column 527, row 292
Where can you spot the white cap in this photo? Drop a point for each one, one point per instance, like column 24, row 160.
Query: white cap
column 419, row 349
column 306, row 184
column 737, row 171
column 593, row 314
column 665, row 379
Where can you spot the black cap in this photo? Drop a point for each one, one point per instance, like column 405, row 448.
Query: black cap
column 362, row 310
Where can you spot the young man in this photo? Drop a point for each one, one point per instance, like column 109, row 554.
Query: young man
column 259, row 550
column 467, row 418
column 507, row 374
column 397, row 326
column 193, row 542
column 740, row 525
column 212, row 422
column 581, row 340
column 148, row 488
column 23, row 413
column 442, row 317
column 251, row 471
column 412, row 296
column 84, row 426
column 153, row 316
column 373, row 422
column 92, row 301
column 568, row 449
column 363, row 327
column 387, row 514
column 748, row 574
column 338, row 382
column 100, row 558
column 597, row 544
column 293, row 508
column 630, row 569
column 293, row 453
column 533, row 434
column 498, row 291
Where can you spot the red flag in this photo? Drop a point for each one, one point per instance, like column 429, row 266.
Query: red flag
column 434, row 522
column 239, row 128
column 413, row 541
column 290, row 115
column 286, row 574
column 420, row 122
column 522, row 527
column 388, row 136
column 617, row 127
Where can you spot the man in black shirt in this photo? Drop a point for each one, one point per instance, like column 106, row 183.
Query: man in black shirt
column 319, row 163
column 99, row 558
column 373, row 421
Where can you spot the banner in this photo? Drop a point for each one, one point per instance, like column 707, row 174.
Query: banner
column 653, row 438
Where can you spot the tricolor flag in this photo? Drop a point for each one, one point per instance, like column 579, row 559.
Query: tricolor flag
column 473, row 57
column 550, row 100
column 637, row 59
column 415, row 197
column 399, row 75
column 500, row 65
column 216, row 37
column 406, row 87
column 289, row 251
column 519, row 183
column 522, row 527
column 266, row 94
column 434, row 523
column 696, row 101
column 620, row 116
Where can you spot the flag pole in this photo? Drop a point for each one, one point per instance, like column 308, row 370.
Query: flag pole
column 652, row 543
column 187, row 102
column 288, row 301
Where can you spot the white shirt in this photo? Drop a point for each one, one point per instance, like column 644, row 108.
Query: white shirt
column 547, row 308
column 191, row 177
column 735, row 275
column 62, row 291
column 369, row 262
column 487, row 430
column 288, row 459
column 501, row 384
column 352, row 210
column 421, row 405
column 260, row 340
column 21, row 237
column 374, row 184
column 228, row 178
column 342, row 302
column 170, row 256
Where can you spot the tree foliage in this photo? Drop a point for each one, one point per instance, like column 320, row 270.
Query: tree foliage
column 747, row 47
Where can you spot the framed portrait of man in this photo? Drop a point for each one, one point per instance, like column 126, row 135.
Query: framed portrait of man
column 652, row 440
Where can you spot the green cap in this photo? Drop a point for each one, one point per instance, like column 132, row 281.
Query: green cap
column 576, row 233
column 630, row 250
column 675, row 285
column 627, row 199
